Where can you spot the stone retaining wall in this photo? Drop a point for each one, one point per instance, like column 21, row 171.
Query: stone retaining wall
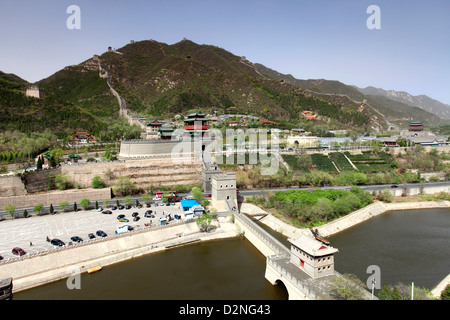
column 56, row 197
column 60, row 263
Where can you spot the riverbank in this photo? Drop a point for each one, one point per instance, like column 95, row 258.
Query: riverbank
column 347, row 221
column 61, row 263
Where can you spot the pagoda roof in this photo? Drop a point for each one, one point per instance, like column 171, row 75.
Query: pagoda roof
column 312, row 246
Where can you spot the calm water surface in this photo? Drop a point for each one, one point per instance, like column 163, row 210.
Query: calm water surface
column 408, row 246
column 219, row 270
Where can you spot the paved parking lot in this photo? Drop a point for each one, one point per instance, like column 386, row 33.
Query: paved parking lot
column 30, row 233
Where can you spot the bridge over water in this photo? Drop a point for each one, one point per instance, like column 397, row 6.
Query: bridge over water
column 279, row 269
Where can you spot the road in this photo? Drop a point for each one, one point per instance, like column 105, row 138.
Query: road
column 249, row 193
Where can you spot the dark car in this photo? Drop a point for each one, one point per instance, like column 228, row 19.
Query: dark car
column 134, row 214
column 91, row 236
column 57, row 242
column 148, row 205
column 121, row 207
column 76, row 239
column 107, row 212
column 120, row 216
column 113, row 208
column 136, row 218
column 128, row 206
column 101, row 233
column 18, row 251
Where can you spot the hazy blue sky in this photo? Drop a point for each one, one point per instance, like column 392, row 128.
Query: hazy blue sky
column 309, row 39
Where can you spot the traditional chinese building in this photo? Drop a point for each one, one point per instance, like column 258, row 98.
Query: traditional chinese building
column 83, row 137
column 416, row 126
column 165, row 132
column 196, row 124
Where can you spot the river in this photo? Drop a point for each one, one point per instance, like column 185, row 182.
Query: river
column 407, row 246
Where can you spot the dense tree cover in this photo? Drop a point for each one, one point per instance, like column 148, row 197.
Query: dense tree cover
column 310, row 208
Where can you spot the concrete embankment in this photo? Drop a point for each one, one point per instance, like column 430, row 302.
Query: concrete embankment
column 61, row 263
column 373, row 210
column 349, row 221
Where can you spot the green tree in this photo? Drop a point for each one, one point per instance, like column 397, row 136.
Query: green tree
column 63, row 182
column 347, row 287
column 204, row 222
column 57, row 155
column 10, row 209
column 25, row 213
column 384, row 294
column 51, row 208
column 64, row 205
column 75, row 208
column 85, row 203
column 147, row 197
column 445, row 294
column 124, row 186
column 127, row 200
column 106, row 202
column 395, row 294
column 198, row 195
column 97, row 183
column 38, row 208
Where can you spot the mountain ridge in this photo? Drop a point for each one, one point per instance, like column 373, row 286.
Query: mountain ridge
column 422, row 101
column 392, row 110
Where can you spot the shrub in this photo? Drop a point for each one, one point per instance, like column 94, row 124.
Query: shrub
column 97, row 183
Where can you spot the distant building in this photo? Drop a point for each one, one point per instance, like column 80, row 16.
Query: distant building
column 165, row 132
column 35, row 92
column 303, row 141
column 416, row 126
column 83, row 137
column 310, row 115
column 196, row 124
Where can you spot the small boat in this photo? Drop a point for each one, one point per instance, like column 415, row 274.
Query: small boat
column 319, row 237
column 95, row 269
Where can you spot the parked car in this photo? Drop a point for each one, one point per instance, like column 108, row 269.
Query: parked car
column 57, row 242
column 18, row 251
column 120, row 207
column 134, row 214
column 128, row 206
column 120, row 216
column 113, row 208
column 91, row 236
column 1, row 258
column 123, row 220
column 148, row 205
column 76, row 239
column 107, row 212
column 136, row 218
column 101, row 233
column 100, row 209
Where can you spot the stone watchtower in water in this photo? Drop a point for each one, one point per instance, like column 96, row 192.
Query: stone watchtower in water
column 312, row 256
